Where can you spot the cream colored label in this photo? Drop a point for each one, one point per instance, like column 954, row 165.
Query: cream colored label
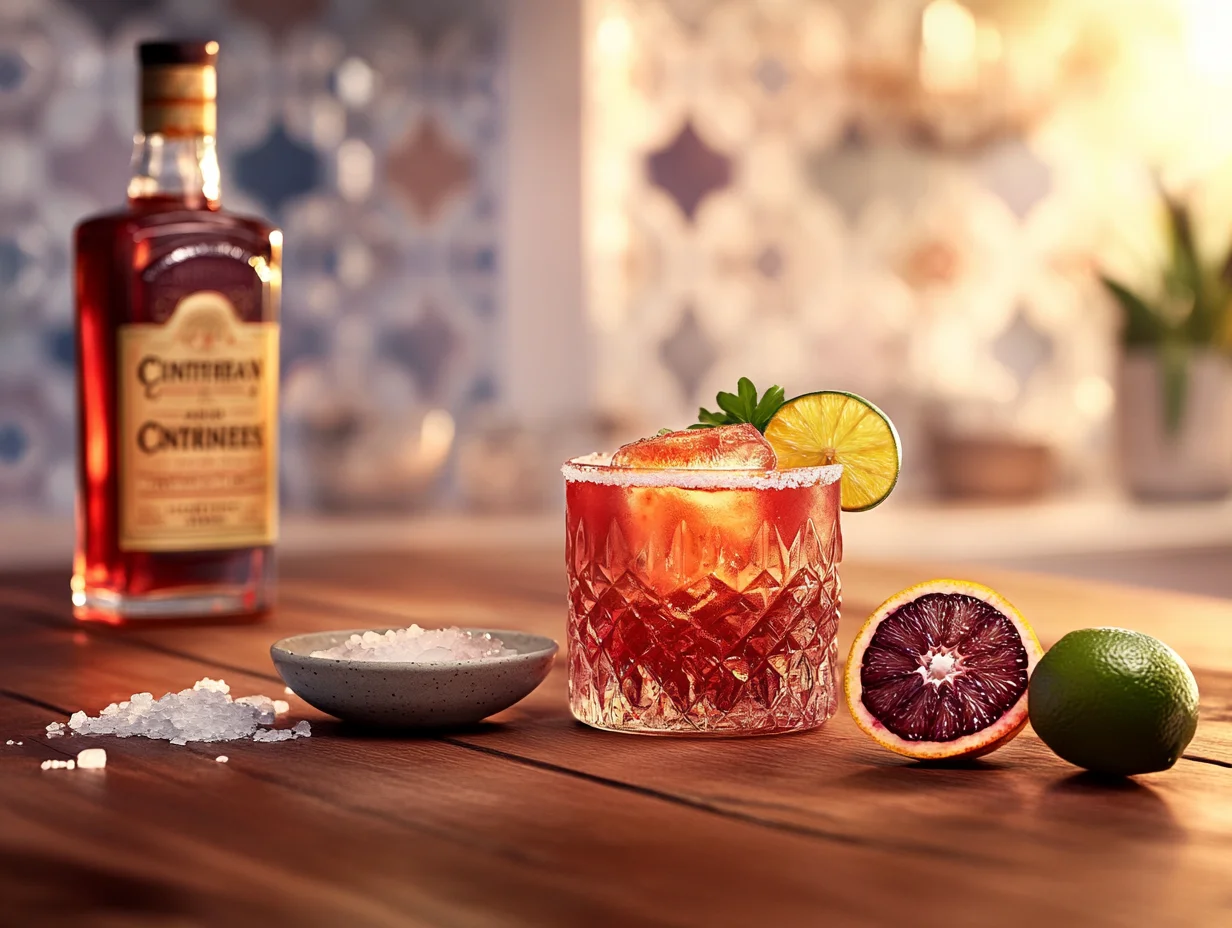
column 198, row 401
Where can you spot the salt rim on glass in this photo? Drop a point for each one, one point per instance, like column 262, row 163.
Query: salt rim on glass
column 597, row 468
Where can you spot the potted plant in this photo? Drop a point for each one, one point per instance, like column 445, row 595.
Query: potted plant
column 1174, row 398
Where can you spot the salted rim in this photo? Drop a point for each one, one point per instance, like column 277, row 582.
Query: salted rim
column 597, row 468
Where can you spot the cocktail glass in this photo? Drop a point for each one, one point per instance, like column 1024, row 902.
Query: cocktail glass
column 702, row 602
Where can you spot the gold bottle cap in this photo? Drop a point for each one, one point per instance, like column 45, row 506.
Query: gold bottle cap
column 179, row 87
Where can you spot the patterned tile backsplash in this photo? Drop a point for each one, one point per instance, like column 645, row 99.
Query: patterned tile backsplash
column 901, row 197
column 771, row 195
column 906, row 198
column 370, row 130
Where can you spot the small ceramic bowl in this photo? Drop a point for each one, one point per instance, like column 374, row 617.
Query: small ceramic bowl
column 428, row 694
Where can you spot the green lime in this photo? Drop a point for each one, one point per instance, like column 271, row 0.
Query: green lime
column 1114, row 701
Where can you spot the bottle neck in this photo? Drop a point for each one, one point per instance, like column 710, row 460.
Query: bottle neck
column 174, row 171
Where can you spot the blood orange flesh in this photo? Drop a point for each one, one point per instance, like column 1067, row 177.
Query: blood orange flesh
column 941, row 670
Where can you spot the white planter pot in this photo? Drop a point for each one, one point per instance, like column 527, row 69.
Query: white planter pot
column 1195, row 461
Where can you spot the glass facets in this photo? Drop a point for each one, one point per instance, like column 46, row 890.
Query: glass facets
column 752, row 653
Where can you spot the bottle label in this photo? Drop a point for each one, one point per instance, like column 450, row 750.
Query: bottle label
column 197, row 404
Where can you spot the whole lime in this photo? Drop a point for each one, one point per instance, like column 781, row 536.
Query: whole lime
column 1114, row 701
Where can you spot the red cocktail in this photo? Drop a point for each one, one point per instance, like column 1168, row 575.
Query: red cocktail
column 702, row 602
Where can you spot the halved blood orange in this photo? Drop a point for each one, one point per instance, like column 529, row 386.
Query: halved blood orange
column 940, row 671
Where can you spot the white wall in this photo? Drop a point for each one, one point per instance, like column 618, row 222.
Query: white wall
column 545, row 341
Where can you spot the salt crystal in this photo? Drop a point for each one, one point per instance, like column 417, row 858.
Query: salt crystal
column 213, row 686
column 302, row 729
column 415, row 644
column 266, row 708
column 205, row 712
column 21, row 742
column 221, row 759
column 58, row 765
column 273, row 734
column 10, row 741
column 92, row 759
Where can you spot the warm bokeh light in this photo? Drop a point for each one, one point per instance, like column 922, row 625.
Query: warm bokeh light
column 949, row 50
column 355, row 82
column 614, row 38
column 1208, row 38
column 1094, row 396
column 988, row 43
column 356, row 170
column 436, row 436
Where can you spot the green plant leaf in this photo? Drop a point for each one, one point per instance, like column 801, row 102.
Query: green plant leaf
column 730, row 404
column 1142, row 324
column 769, row 405
column 742, row 406
column 707, row 419
column 1195, row 303
column 747, row 393
column 1174, row 374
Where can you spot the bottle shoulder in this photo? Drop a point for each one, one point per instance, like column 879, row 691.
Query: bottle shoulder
column 138, row 223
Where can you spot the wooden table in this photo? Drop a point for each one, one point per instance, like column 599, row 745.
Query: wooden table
column 534, row 820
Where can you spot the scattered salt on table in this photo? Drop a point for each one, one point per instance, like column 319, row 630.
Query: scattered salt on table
column 415, row 644
column 58, row 764
column 274, row 734
column 91, row 759
column 300, row 729
column 266, row 710
column 206, row 712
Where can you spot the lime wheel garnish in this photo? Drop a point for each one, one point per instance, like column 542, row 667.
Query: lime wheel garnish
column 941, row 670
column 839, row 428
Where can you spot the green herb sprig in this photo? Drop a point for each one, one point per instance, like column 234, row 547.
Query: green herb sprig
column 742, row 406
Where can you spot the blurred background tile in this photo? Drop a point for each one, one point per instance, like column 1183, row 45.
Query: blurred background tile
column 906, row 198
column 372, row 131
column 882, row 196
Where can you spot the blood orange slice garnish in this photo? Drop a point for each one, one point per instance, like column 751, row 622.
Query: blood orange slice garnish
column 728, row 447
column 940, row 671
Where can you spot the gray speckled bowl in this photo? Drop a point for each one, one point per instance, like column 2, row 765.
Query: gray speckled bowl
column 435, row 694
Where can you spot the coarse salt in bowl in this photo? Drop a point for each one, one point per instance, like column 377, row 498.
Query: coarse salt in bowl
column 418, row 645
column 414, row 677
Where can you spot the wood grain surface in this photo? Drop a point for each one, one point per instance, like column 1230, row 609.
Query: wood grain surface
column 531, row 819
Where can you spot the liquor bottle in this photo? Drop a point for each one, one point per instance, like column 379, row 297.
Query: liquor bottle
column 177, row 364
